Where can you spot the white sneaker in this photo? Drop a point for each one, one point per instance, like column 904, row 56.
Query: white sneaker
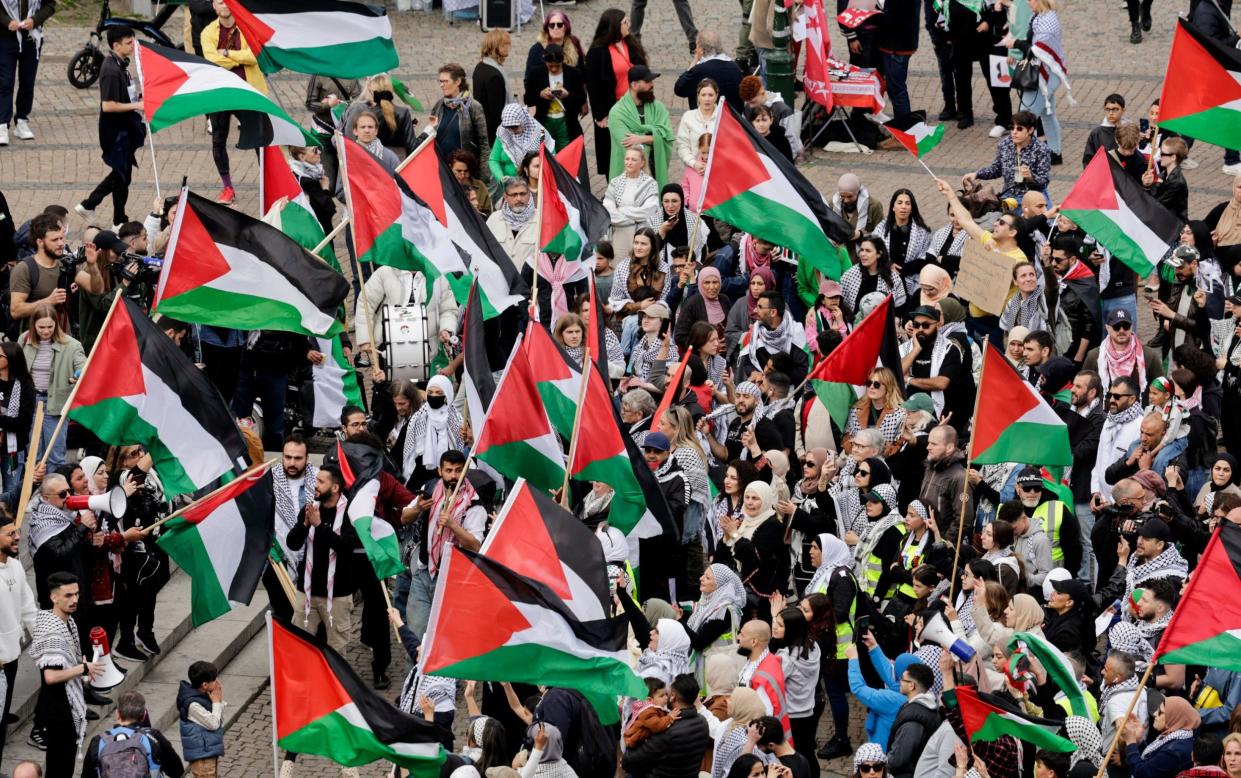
column 998, row 131
column 1232, row 170
column 4, row 134
column 84, row 212
column 21, row 128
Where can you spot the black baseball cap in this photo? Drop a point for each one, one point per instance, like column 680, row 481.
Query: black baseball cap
column 641, row 73
column 107, row 239
column 1155, row 529
column 1072, row 587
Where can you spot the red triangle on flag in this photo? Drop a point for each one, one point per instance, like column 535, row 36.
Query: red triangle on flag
column 1196, row 81
column 555, row 217
column 570, row 158
column 855, row 358
column 117, row 345
column 521, row 542
column 161, row 78
column 305, row 688
column 455, row 634
column 422, row 173
column 194, row 259
column 510, row 420
column 546, row 362
column 278, row 180
column 374, row 196
column 1004, row 397
column 1094, row 190
column 741, row 168
column 257, row 33
column 598, row 436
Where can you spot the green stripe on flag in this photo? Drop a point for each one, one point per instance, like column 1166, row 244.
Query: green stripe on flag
column 1029, row 444
column 184, row 545
column 351, row 745
column 1111, row 235
column 837, row 398
column 238, row 311
column 537, row 663
column 358, row 59
column 783, row 226
column 384, row 551
column 117, row 423
column 520, row 459
column 628, row 503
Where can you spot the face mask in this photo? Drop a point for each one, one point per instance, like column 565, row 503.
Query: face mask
column 436, row 401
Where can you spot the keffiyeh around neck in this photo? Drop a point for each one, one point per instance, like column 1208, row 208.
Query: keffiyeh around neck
column 1115, row 363
column 46, row 522
column 1121, row 418
column 55, row 644
column 1085, row 735
column 670, row 658
column 767, row 498
column 835, row 554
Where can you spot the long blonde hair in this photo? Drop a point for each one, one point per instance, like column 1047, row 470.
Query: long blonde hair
column 891, row 393
column 381, row 83
column 683, row 434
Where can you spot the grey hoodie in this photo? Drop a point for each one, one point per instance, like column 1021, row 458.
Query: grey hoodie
column 800, row 678
column 1034, row 548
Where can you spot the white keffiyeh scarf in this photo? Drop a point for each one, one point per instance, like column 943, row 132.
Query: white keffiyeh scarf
column 432, row 431
column 286, row 509
column 1030, row 312
column 1167, row 737
column 46, row 522
column 1168, row 563
column 728, row 597
column 863, row 206
column 55, row 644
column 433, row 687
column 341, row 504
column 12, row 410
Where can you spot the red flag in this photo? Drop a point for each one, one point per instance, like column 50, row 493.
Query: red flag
column 672, row 388
column 872, row 342
column 573, row 159
column 818, row 45
column 276, row 179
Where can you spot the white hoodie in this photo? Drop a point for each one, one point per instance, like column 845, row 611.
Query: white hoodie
column 17, row 609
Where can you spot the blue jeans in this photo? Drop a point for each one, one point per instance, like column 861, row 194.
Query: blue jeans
column 57, row 455
column 1086, row 520
column 12, row 478
column 421, row 591
column 18, row 66
column 1045, row 108
column 1127, row 303
column 896, row 73
column 1195, row 479
column 630, row 334
column 1169, row 452
column 400, row 599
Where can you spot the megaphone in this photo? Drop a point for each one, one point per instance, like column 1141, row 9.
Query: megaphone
column 114, row 502
column 111, row 676
column 937, row 631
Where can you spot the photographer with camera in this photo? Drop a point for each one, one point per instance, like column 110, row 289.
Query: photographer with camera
column 93, row 303
column 46, row 276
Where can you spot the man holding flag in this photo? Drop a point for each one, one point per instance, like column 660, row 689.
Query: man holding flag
column 325, row 576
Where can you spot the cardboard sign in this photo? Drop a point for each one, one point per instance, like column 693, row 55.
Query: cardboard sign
column 999, row 72
column 985, row 277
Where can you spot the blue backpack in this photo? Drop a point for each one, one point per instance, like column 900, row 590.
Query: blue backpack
column 125, row 752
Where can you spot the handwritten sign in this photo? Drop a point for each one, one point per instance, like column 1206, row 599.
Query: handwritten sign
column 985, row 277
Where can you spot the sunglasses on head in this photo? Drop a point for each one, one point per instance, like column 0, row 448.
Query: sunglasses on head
column 871, row 767
column 874, row 384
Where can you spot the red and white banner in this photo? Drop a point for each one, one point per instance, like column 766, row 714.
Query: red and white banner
column 853, row 17
column 818, row 43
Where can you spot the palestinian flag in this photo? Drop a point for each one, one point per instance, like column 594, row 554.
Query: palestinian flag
column 573, row 158
column 516, row 438
column 333, row 384
column 429, row 177
column 1012, row 422
column 1058, row 667
column 177, row 86
column 559, row 381
column 597, row 327
column 606, row 453
column 672, row 390
column 148, row 393
column 1206, row 627
column 321, row 37
column 912, row 132
column 988, row 717
column 1108, row 204
column 360, row 467
column 535, row 537
column 393, row 226
column 226, row 269
column 490, row 623
column 1202, row 89
column 476, row 379
column 759, row 191
column 573, row 221
column 872, row 343
column 322, row 707
column 222, row 541
column 285, row 206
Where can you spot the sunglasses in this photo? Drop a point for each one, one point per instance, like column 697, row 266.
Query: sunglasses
column 874, row 384
column 807, row 463
column 1122, row 326
column 555, row 25
column 1115, row 396
column 63, row 493
column 922, row 325
column 863, row 472
column 871, row 767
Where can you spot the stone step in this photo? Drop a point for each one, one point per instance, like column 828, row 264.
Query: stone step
column 218, row 641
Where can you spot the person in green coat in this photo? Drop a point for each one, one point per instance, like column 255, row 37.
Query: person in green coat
column 638, row 119
column 519, row 135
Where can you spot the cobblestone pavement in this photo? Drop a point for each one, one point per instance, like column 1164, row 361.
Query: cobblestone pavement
column 63, row 164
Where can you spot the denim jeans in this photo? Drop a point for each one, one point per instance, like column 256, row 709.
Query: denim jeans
column 1045, row 108
column 630, row 334
column 57, row 455
column 421, row 592
column 896, row 73
column 1128, row 303
column 1085, row 518
column 12, row 478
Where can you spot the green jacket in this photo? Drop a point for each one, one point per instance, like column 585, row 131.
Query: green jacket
column 67, row 358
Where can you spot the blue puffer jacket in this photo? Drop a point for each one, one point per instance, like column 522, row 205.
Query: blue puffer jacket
column 197, row 742
column 882, row 705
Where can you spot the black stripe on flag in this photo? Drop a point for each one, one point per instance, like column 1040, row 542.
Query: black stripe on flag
column 257, row 506
column 472, row 222
column 312, row 6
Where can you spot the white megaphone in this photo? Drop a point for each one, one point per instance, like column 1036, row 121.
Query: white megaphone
column 937, row 631
column 113, row 502
column 110, row 676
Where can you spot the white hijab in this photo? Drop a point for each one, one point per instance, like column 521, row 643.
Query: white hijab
column 835, row 554
column 437, row 438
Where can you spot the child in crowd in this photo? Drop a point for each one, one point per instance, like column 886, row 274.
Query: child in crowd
column 200, row 703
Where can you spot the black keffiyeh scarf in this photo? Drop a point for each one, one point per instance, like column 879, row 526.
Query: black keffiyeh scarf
column 55, row 644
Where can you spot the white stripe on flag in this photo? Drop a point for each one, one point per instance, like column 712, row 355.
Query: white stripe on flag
column 200, row 455
column 221, row 535
column 778, row 189
column 1137, row 230
column 420, row 227
column 253, row 277
column 323, row 28
column 350, row 713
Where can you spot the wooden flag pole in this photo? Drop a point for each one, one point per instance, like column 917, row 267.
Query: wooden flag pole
column 73, row 393
column 1133, row 701
column 255, row 470
column 286, row 583
column 28, row 475
column 340, row 227
column 577, row 423
column 965, row 487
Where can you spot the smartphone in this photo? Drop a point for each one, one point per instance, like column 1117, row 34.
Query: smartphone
column 663, row 328
column 863, row 624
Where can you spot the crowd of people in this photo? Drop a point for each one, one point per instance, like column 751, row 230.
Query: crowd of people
column 819, row 551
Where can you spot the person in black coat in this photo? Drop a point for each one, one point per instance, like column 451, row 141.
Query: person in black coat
column 677, row 751
column 556, row 107
column 488, row 85
column 1067, row 624
column 897, row 41
column 612, row 34
column 710, row 62
column 1170, row 190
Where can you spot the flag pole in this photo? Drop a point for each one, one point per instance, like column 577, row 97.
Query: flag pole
column 577, row 422
column 28, row 475
column 150, row 135
column 538, row 220
column 357, row 261
column 271, row 668
column 255, row 470
column 348, row 218
column 286, row 583
column 924, row 167
column 1133, row 701
column 965, row 484
column 73, row 393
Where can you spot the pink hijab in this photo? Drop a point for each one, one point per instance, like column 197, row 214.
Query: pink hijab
column 715, row 311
